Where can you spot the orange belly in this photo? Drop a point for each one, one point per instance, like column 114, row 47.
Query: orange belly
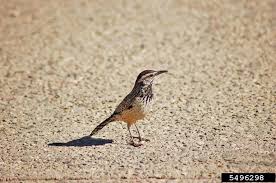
column 132, row 115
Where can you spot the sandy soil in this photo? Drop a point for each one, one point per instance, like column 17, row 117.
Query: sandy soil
column 65, row 65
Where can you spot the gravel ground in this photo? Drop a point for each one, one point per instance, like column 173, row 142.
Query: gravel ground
column 65, row 65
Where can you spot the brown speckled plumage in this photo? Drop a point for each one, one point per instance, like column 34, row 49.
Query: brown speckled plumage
column 133, row 107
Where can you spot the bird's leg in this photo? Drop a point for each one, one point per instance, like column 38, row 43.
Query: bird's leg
column 128, row 127
column 139, row 137
column 132, row 140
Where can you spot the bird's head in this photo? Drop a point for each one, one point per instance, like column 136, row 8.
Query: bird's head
column 147, row 76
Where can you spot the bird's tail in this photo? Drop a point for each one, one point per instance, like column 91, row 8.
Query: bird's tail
column 102, row 124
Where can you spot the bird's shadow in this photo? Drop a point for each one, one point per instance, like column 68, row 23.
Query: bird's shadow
column 84, row 141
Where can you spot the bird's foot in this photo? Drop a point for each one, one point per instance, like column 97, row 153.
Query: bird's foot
column 135, row 144
column 142, row 139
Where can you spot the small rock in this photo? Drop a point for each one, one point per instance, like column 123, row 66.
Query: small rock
column 15, row 13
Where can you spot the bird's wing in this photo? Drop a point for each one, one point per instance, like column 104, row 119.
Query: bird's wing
column 126, row 103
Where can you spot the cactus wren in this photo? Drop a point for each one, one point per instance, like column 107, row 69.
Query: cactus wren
column 134, row 105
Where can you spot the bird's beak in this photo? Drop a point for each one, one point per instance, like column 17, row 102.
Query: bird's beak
column 160, row 72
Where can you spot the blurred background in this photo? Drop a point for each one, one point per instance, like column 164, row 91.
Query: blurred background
column 65, row 65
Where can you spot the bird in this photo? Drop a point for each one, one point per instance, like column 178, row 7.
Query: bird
column 135, row 105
